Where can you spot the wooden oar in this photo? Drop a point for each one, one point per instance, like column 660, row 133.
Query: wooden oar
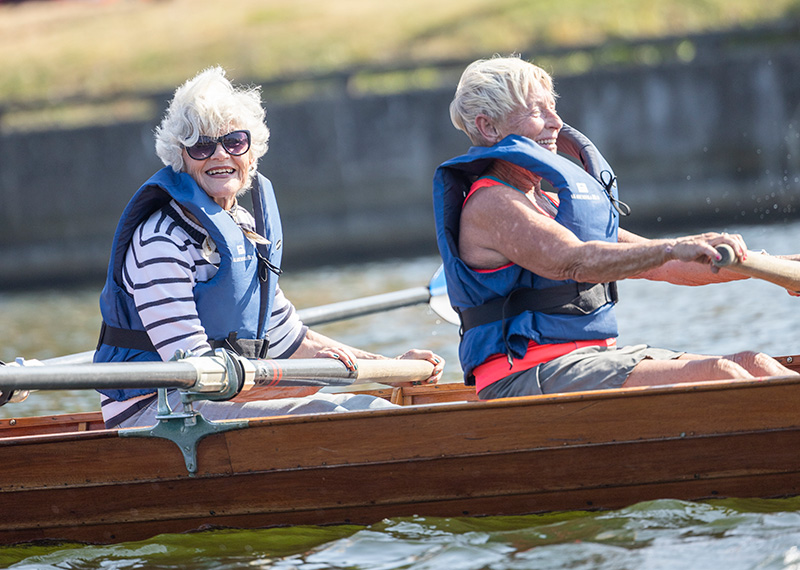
column 783, row 272
column 210, row 374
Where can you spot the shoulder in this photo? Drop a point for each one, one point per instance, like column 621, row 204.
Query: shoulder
column 498, row 201
column 488, row 183
column 488, row 189
column 168, row 237
column 169, row 223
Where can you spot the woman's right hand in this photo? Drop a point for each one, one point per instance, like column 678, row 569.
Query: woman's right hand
column 433, row 358
column 341, row 354
column 701, row 248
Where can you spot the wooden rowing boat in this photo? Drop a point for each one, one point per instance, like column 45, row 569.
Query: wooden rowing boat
column 440, row 454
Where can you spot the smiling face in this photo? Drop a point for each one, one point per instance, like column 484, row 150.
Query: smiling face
column 222, row 176
column 536, row 119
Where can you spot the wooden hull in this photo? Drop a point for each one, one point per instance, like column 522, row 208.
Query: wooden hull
column 591, row 450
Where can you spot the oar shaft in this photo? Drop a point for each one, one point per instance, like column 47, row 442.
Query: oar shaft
column 208, row 374
column 364, row 306
column 783, row 272
column 101, row 375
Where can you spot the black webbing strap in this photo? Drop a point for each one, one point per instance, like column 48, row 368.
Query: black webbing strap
column 125, row 338
column 247, row 347
column 139, row 340
column 566, row 299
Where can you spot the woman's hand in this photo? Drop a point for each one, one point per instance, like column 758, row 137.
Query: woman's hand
column 702, row 248
column 340, row 353
column 347, row 356
column 435, row 359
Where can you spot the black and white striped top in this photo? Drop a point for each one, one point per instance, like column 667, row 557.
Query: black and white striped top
column 162, row 265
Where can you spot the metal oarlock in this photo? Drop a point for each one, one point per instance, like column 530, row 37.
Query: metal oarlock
column 16, row 396
column 218, row 375
column 218, row 378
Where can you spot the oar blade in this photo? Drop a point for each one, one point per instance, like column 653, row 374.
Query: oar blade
column 440, row 301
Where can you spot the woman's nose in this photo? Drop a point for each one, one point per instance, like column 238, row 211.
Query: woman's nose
column 219, row 150
column 553, row 120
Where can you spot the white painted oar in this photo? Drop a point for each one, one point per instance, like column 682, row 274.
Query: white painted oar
column 78, row 358
column 783, row 272
column 435, row 294
column 209, row 374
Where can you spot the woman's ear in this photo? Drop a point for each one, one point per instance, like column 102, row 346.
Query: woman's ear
column 487, row 129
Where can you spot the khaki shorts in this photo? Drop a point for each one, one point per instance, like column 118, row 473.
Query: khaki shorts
column 589, row 368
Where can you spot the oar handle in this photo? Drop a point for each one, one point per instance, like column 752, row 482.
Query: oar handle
column 783, row 272
column 330, row 372
column 393, row 371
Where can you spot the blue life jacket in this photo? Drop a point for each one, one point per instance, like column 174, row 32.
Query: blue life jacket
column 552, row 311
column 234, row 304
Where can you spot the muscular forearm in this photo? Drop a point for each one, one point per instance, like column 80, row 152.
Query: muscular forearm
column 599, row 262
column 659, row 259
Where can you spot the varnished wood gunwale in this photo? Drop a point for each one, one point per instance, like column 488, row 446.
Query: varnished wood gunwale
column 569, row 451
column 86, row 421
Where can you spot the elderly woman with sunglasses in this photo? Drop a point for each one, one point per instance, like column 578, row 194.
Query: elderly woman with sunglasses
column 192, row 270
column 532, row 268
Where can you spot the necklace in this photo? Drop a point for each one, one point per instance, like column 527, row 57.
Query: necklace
column 254, row 237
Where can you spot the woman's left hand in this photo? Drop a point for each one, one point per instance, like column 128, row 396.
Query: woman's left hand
column 435, row 359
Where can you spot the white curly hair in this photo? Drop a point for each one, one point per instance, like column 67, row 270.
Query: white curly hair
column 208, row 104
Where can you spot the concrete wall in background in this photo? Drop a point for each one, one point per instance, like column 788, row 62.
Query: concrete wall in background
column 714, row 144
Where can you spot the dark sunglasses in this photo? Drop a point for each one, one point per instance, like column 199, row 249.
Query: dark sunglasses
column 235, row 143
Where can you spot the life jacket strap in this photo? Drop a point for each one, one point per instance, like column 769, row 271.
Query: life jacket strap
column 246, row 347
column 565, row 299
column 139, row 340
column 125, row 338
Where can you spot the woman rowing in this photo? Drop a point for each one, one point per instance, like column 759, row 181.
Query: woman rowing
column 192, row 270
column 532, row 272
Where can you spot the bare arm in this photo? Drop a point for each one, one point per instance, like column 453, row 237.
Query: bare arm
column 500, row 225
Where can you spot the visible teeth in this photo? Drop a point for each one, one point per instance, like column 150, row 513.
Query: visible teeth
column 546, row 142
column 214, row 171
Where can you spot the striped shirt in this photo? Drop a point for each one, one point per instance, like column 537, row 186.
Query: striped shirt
column 163, row 263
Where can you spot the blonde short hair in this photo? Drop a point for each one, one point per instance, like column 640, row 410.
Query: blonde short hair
column 208, row 104
column 495, row 87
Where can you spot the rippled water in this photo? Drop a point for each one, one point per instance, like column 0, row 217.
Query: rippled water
column 666, row 534
column 656, row 535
